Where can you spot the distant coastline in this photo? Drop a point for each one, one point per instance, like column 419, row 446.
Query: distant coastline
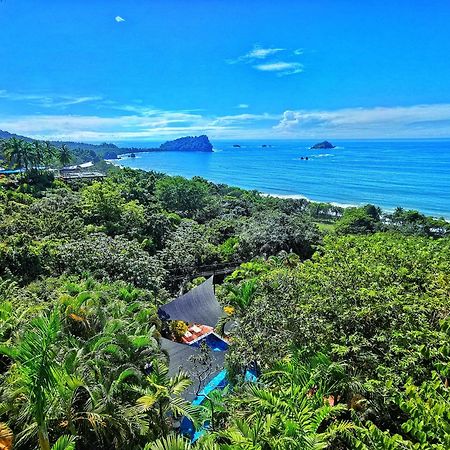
column 86, row 152
column 388, row 173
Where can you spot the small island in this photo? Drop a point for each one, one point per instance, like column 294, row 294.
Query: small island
column 188, row 144
column 323, row 145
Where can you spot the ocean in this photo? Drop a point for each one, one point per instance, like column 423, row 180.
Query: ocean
column 413, row 174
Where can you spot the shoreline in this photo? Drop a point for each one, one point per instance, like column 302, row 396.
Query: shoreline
column 309, row 199
column 388, row 210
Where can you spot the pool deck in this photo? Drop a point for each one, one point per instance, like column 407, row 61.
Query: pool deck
column 194, row 337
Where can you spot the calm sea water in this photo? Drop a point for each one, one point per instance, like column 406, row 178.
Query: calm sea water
column 409, row 173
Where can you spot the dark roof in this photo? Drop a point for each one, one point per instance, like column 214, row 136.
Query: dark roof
column 199, row 305
column 178, row 355
column 179, row 360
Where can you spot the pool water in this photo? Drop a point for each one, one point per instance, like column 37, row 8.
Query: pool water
column 214, row 342
column 218, row 382
column 187, row 427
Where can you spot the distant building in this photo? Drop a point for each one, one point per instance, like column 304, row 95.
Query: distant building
column 79, row 172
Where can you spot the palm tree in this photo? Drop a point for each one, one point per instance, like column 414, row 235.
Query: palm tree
column 49, row 149
column 37, row 154
column 17, row 153
column 289, row 409
column 65, row 155
column 162, row 398
column 240, row 298
column 34, row 375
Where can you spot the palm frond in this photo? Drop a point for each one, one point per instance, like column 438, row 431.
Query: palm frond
column 64, row 443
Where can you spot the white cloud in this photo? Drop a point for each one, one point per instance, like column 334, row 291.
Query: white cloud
column 130, row 122
column 260, row 58
column 119, row 19
column 262, row 53
column 257, row 53
column 153, row 124
column 281, row 67
column 401, row 121
column 242, row 106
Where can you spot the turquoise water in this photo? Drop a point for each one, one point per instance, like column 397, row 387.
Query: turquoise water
column 409, row 173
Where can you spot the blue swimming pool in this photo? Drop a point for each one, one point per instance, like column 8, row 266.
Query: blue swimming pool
column 187, row 427
column 218, row 382
column 214, row 343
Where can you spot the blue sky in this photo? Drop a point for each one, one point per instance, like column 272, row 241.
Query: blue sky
column 155, row 69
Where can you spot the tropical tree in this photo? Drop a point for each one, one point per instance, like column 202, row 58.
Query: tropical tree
column 183, row 196
column 290, row 408
column 37, row 154
column 161, row 398
column 65, row 156
column 239, row 297
column 34, row 376
column 17, row 153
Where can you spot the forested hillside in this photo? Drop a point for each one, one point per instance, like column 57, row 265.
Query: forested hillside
column 343, row 314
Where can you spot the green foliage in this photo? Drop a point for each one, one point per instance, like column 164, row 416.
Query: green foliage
column 84, row 267
column 111, row 259
column 163, row 395
column 22, row 154
column 70, row 369
column 185, row 197
column 269, row 234
column 359, row 220
column 288, row 409
column 229, row 248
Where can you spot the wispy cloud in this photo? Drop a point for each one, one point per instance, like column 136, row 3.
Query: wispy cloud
column 241, row 118
column 140, row 122
column 154, row 124
column 257, row 53
column 242, row 106
column 399, row 121
column 262, row 53
column 119, row 19
column 48, row 101
column 281, row 67
column 262, row 59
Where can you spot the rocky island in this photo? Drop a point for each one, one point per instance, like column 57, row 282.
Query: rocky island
column 323, row 145
column 188, row 144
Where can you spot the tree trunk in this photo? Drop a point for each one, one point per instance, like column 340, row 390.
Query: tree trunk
column 44, row 442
